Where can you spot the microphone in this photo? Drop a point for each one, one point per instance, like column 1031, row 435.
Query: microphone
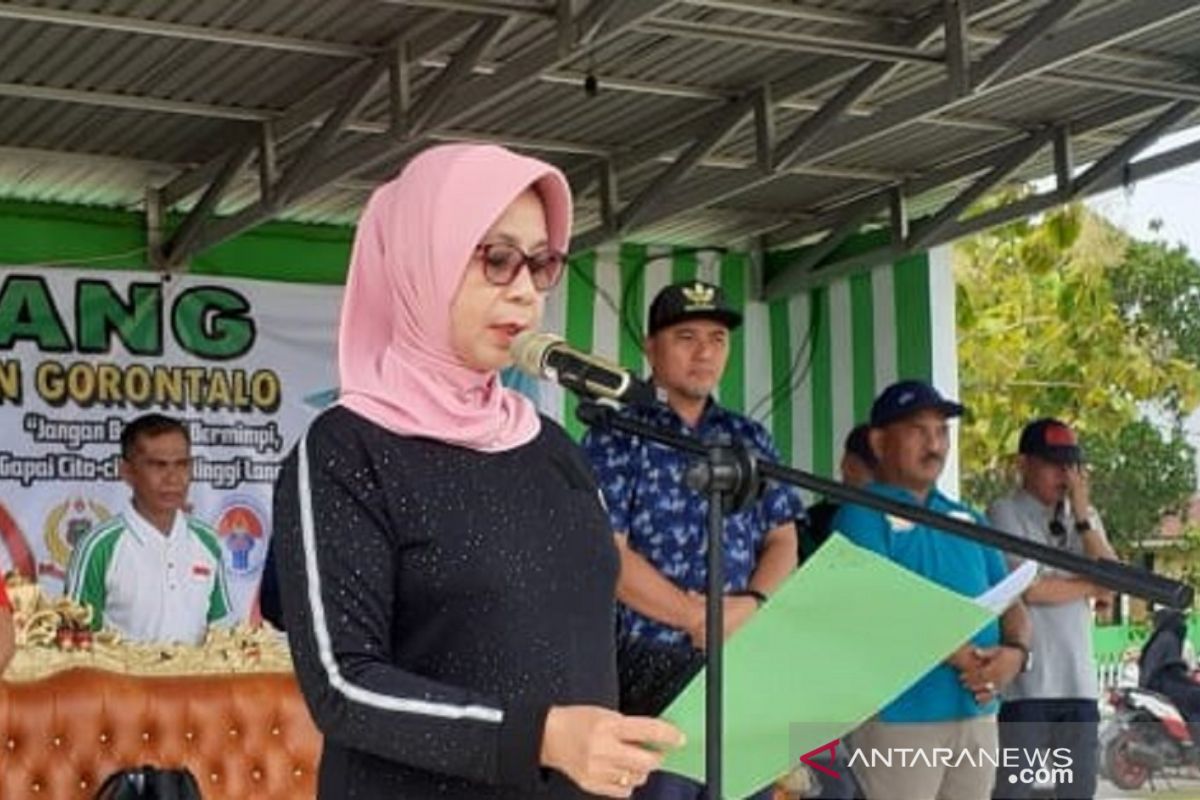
column 1057, row 527
column 544, row 355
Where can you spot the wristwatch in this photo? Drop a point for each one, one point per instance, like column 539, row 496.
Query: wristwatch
column 1083, row 526
column 759, row 598
column 1027, row 663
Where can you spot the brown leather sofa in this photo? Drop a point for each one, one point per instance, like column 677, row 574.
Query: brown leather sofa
column 244, row 736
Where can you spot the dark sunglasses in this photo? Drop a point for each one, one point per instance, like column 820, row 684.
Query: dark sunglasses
column 502, row 262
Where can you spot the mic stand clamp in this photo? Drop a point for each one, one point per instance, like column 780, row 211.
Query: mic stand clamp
column 731, row 471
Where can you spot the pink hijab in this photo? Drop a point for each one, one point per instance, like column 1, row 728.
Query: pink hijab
column 414, row 240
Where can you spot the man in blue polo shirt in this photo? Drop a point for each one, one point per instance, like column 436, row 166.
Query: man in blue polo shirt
column 954, row 705
column 661, row 524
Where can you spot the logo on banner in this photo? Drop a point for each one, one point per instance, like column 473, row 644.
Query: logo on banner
column 241, row 528
column 65, row 525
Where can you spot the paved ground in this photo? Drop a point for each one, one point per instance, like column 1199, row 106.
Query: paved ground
column 1176, row 790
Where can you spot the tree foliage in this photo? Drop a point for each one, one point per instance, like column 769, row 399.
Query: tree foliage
column 1158, row 292
column 1138, row 473
column 1065, row 316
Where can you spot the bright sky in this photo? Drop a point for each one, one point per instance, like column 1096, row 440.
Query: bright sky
column 1172, row 198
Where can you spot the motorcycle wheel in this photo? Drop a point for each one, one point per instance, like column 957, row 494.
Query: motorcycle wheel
column 1123, row 771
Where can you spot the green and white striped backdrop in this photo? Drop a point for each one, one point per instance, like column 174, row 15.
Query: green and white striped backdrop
column 807, row 367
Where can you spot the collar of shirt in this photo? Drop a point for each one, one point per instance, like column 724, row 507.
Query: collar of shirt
column 144, row 531
column 1035, row 508
column 663, row 415
column 934, row 499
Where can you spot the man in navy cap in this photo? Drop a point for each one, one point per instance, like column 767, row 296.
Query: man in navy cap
column 954, row 705
column 857, row 469
column 1053, row 704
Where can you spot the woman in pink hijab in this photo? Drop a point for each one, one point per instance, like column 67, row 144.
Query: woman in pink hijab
column 446, row 570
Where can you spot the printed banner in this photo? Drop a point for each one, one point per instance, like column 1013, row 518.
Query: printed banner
column 244, row 364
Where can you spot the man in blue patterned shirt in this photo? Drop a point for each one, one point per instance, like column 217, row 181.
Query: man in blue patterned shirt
column 660, row 523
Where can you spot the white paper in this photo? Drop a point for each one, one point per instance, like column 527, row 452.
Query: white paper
column 1005, row 593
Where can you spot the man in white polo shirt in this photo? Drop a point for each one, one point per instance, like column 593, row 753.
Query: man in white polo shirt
column 152, row 572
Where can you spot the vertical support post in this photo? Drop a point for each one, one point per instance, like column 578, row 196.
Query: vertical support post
column 764, row 130
column 958, row 56
column 898, row 208
column 268, row 169
column 154, row 230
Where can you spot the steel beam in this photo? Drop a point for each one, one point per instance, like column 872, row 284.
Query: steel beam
column 1013, row 47
column 883, row 22
column 608, row 195
column 764, row 129
column 175, row 30
column 331, row 90
column 1052, row 50
column 958, row 53
column 709, row 138
column 1120, row 156
column 1169, row 90
column 423, row 38
column 434, row 98
column 492, row 7
column 1064, row 161
column 1097, row 32
column 793, row 41
column 674, row 134
column 474, row 96
column 945, row 218
column 958, row 169
column 814, row 255
column 1131, row 173
column 131, row 102
column 808, row 13
column 898, row 215
column 318, row 144
column 867, row 79
column 796, row 274
column 400, row 82
column 175, row 249
column 154, row 214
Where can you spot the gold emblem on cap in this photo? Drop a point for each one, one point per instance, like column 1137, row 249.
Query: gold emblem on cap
column 699, row 296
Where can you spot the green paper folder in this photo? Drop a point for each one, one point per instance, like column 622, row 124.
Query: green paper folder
column 842, row 638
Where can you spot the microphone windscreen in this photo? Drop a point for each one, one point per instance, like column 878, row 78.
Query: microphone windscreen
column 529, row 350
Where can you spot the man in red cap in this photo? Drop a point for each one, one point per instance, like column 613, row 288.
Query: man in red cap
column 1052, row 704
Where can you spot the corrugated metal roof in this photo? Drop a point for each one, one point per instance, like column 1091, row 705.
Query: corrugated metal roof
column 138, row 94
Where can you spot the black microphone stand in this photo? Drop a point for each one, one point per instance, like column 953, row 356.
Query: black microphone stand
column 732, row 478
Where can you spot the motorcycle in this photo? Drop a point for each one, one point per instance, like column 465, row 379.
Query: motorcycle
column 1146, row 736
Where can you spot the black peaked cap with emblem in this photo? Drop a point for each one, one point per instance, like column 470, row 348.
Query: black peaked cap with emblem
column 680, row 302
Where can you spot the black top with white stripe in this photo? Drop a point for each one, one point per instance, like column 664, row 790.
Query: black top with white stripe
column 438, row 601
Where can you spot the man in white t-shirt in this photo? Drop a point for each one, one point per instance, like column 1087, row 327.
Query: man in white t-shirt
column 152, row 572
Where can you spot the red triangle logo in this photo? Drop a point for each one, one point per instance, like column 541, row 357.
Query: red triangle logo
column 832, row 748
